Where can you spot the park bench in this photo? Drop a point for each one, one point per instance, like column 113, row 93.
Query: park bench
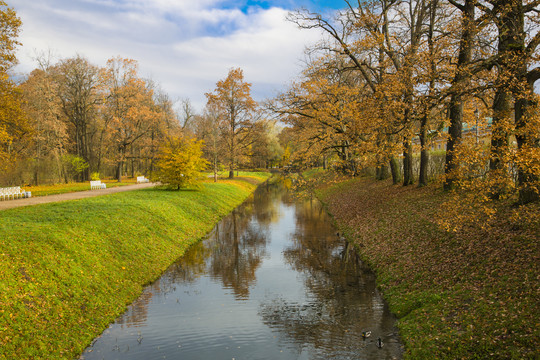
column 142, row 179
column 97, row 184
column 13, row 192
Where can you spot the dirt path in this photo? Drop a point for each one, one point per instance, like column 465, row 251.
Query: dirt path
column 10, row 204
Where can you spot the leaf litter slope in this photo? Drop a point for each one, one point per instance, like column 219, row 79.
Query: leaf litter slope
column 467, row 294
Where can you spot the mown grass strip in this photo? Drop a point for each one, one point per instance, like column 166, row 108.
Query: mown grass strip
column 44, row 190
column 68, row 269
column 467, row 295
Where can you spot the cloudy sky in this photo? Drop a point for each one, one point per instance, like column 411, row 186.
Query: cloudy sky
column 184, row 45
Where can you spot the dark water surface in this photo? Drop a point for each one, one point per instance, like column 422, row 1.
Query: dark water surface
column 272, row 281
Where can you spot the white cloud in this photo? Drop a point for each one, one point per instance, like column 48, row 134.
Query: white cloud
column 186, row 46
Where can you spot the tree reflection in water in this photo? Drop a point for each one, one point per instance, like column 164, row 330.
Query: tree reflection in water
column 236, row 257
column 342, row 300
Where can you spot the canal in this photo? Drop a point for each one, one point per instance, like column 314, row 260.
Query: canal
column 273, row 280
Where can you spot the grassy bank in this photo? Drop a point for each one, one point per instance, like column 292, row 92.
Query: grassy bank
column 68, row 269
column 44, row 190
column 467, row 295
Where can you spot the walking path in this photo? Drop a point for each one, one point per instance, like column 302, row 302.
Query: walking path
column 10, row 204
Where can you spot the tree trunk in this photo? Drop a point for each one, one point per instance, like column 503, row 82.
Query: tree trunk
column 460, row 84
column 502, row 111
column 395, row 170
column 382, row 172
column 36, row 175
column 511, row 81
column 424, row 153
column 526, row 137
column 119, row 167
column 408, row 175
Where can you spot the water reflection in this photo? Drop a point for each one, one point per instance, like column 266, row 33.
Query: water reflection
column 343, row 302
column 271, row 281
column 238, row 250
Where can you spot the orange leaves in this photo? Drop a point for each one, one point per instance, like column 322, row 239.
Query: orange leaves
column 129, row 105
column 235, row 111
column 10, row 25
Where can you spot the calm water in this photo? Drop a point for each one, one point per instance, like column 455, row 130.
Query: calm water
column 272, row 281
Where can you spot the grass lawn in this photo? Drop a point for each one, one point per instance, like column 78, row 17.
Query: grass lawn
column 467, row 295
column 44, row 190
column 68, row 269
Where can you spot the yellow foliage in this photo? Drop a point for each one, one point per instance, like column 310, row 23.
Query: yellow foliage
column 180, row 163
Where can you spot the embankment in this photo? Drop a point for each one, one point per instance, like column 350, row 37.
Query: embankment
column 68, row 269
column 466, row 295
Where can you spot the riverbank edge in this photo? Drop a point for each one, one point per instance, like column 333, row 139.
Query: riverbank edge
column 69, row 269
column 470, row 295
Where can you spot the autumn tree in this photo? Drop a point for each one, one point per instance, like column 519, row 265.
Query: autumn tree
column 460, row 86
column 266, row 152
column 237, row 112
column 130, row 110
column 325, row 109
column 10, row 25
column 207, row 128
column 79, row 93
column 13, row 124
column 180, row 162
column 44, row 110
column 367, row 32
column 166, row 126
column 509, row 73
column 516, row 60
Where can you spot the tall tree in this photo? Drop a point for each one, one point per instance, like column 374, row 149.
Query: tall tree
column 397, row 28
column 207, row 128
column 460, row 86
column 79, row 92
column 44, row 111
column 237, row 113
column 13, row 124
column 130, row 108
column 10, row 25
column 516, row 74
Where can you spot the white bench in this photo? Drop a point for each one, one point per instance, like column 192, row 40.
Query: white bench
column 142, row 179
column 13, row 192
column 97, row 184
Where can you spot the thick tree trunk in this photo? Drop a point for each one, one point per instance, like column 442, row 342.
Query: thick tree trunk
column 382, row 172
column 511, row 70
column 460, row 84
column 502, row 111
column 395, row 170
column 526, row 137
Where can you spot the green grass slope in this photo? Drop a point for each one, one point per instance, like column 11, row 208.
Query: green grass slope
column 68, row 269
